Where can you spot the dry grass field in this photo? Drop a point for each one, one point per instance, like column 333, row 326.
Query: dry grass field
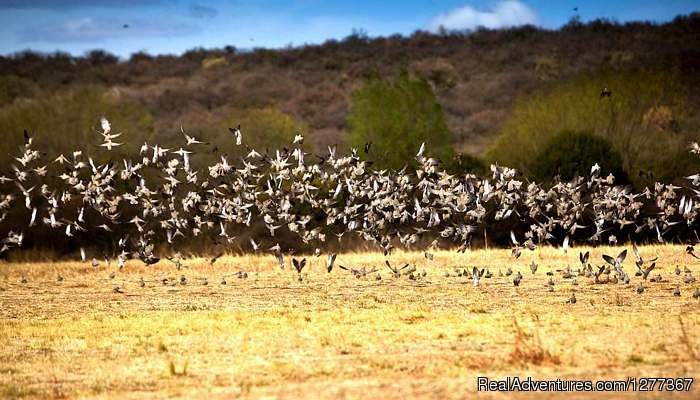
column 336, row 336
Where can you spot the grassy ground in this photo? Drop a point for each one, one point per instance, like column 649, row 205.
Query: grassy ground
column 335, row 336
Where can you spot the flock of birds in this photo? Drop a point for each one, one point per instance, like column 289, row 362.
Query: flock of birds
column 160, row 195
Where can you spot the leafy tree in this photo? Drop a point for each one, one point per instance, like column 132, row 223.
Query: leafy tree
column 265, row 127
column 262, row 128
column 396, row 117
column 64, row 121
column 641, row 119
column 572, row 153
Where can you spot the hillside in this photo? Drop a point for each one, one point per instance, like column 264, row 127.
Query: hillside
column 477, row 76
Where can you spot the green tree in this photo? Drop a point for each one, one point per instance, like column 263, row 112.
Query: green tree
column 463, row 163
column 262, row 128
column 64, row 121
column 267, row 127
column 572, row 153
column 642, row 120
column 396, row 117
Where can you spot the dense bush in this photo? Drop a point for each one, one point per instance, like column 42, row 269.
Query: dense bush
column 262, row 128
column 466, row 163
column 396, row 117
column 266, row 127
column 572, row 153
column 13, row 87
column 642, row 120
column 69, row 119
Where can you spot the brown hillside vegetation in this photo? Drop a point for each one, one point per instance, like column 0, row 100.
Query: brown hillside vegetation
column 477, row 76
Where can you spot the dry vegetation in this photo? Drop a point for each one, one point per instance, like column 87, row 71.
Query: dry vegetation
column 335, row 336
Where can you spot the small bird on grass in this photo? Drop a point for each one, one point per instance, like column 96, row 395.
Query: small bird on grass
column 299, row 266
column 476, row 275
column 567, row 273
column 517, row 278
column 533, row 267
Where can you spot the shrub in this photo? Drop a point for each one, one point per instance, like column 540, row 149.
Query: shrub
column 100, row 57
column 465, row 163
column 572, row 153
column 397, row 117
column 267, row 127
column 212, row 62
column 262, row 128
column 67, row 120
column 641, row 120
column 13, row 87
column 671, row 166
column 440, row 72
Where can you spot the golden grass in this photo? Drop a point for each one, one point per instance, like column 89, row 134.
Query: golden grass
column 335, row 336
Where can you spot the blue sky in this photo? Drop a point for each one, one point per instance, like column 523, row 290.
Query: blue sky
column 173, row 26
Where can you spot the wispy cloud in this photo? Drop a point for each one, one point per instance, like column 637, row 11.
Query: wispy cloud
column 504, row 14
column 89, row 29
column 200, row 11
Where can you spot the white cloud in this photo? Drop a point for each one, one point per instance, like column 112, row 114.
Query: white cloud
column 504, row 14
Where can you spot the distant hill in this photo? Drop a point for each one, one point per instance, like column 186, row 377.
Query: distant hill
column 477, row 76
